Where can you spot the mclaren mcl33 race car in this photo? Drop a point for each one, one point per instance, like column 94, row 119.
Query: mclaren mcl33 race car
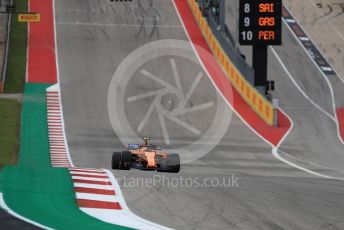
column 146, row 157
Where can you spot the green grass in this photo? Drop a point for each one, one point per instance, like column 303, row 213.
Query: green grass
column 9, row 131
column 16, row 70
column 16, row 67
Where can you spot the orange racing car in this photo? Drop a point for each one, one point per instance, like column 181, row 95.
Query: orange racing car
column 146, row 157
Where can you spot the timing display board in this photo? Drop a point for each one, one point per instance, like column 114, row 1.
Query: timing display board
column 260, row 22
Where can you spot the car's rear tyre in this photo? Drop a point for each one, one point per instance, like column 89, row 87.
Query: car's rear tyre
column 126, row 160
column 172, row 164
column 116, row 160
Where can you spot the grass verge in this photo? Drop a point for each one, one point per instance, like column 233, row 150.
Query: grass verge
column 16, row 67
column 9, row 131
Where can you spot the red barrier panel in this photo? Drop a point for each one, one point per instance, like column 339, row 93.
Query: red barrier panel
column 340, row 118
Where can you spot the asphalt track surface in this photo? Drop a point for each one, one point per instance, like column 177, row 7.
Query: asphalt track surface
column 10, row 222
column 94, row 37
column 313, row 142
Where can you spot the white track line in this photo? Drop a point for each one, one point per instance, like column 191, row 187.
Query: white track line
column 27, row 47
column 298, row 86
column 275, row 150
column 58, row 85
column 146, row 223
column 308, row 162
column 13, row 213
column 321, row 72
column 276, row 154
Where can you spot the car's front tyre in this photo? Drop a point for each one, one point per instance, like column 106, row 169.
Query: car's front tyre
column 116, row 160
column 126, row 157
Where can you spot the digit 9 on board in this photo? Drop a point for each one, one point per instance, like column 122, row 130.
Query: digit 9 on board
column 260, row 22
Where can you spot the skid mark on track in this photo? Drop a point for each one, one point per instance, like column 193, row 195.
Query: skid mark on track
column 330, row 23
column 319, row 61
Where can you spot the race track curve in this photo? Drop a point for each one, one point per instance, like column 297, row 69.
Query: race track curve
column 94, row 37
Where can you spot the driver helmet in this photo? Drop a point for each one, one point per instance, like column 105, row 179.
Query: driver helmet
column 146, row 141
